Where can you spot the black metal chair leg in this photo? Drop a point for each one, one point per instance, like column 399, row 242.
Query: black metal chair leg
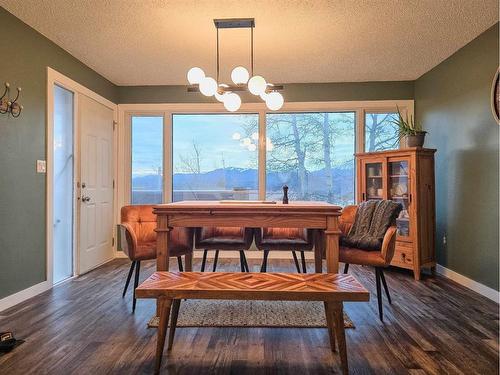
column 382, row 277
column 136, row 282
column 216, row 258
column 204, row 260
column 379, row 294
column 242, row 263
column 263, row 268
column 246, row 262
column 303, row 258
column 296, row 261
column 346, row 267
column 179, row 262
column 130, row 272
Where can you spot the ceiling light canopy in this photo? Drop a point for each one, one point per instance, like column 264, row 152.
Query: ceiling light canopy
column 243, row 80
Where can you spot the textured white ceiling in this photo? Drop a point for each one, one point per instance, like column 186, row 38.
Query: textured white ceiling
column 154, row 42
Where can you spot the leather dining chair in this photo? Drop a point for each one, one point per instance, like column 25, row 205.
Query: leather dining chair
column 284, row 239
column 378, row 259
column 138, row 241
column 223, row 238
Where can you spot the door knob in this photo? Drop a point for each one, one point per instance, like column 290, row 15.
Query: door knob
column 84, row 185
column 85, row 199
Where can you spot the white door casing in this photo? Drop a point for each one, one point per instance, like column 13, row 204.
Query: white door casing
column 96, row 184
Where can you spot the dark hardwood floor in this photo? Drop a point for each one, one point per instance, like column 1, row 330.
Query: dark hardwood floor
column 83, row 326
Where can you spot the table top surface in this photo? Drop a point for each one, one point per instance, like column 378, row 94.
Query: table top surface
column 239, row 206
column 310, row 286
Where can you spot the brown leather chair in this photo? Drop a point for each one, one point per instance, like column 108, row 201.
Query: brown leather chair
column 377, row 259
column 138, row 241
column 223, row 238
column 284, row 239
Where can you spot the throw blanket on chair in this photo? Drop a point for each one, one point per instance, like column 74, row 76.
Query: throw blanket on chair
column 372, row 220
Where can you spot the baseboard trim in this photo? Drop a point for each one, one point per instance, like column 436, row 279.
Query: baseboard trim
column 23, row 295
column 482, row 289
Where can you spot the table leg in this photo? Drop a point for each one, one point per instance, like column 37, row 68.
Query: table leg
column 162, row 256
column 188, row 259
column 340, row 333
column 319, row 244
column 330, row 322
column 164, row 305
column 162, row 238
column 173, row 322
column 332, row 234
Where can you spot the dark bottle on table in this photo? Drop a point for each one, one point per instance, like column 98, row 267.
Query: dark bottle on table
column 285, row 194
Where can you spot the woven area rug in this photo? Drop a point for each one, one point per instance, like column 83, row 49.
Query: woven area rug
column 210, row 313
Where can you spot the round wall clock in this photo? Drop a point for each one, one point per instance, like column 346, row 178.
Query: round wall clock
column 495, row 98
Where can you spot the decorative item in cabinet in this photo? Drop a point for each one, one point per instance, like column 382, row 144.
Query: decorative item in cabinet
column 405, row 176
column 374, row 181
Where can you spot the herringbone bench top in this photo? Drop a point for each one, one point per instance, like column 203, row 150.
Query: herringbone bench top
column 253, row 286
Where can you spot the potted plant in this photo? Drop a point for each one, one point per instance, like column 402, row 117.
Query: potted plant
column 409, row 130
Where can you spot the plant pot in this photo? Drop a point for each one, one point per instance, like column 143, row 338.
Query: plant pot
column 416, row 140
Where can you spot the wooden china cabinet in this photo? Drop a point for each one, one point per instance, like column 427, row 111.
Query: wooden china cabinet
column 405, row 176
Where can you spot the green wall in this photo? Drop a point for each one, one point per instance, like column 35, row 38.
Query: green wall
column 25, row 56
column 294, row 92
column 453, row 104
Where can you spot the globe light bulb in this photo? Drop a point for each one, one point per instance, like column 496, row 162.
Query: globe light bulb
column 195, row 75
column 208, row 86
column 232, row 102
column 274, row 101
column 220, row 97
column 247, row 141
column 264, row 94
column 255, row 136
column 236, row 136
column 240, row 75
column 257, row 85
column 252, row 147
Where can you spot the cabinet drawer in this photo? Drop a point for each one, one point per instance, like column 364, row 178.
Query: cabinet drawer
column 403, row 256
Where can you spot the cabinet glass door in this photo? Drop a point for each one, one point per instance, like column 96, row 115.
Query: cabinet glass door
column 374, row 181
column 399, row 191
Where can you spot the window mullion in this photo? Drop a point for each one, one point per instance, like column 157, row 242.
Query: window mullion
column 168, row 175
column 262, row 155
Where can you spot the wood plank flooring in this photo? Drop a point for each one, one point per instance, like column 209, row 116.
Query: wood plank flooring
column 83, row 326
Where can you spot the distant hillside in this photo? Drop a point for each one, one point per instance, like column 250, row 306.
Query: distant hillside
column 229, row 178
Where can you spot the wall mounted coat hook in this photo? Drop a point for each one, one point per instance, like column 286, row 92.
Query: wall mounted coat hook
column 15, row 107
column 10, row 106
column 4, row 99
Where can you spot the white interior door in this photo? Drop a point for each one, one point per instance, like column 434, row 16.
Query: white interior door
column 96, row 184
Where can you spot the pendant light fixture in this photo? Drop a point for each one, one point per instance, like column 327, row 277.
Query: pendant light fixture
column 243, row 80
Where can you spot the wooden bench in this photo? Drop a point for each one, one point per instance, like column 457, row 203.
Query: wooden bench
column 333, row 289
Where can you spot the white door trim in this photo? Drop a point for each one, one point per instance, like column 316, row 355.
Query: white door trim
column 54, row 77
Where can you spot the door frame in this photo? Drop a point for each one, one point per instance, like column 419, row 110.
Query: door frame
column 56, row 78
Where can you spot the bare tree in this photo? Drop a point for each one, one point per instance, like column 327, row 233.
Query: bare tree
column 293, row 139
column 191, row 162
column 381, row 133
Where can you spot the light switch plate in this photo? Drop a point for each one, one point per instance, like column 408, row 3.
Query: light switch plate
column 41, row 166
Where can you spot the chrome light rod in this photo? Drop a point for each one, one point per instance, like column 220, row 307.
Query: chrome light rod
column 229, row 88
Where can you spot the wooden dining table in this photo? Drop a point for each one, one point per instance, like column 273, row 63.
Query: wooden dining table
column 320, row 216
